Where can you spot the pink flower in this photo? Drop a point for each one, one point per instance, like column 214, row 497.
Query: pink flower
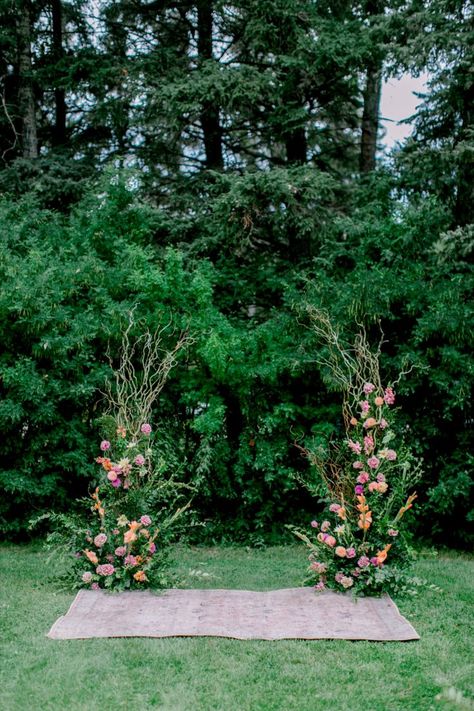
column 389, row 396
column 368, row 444
column 319, row 587
column 112, row 475
column 370, row 422
column 334, row 508
column 373, row 486
column 116, row 483
column 356, row 447
column 347, row 582
column 152, row 547
column 95, row 586
column 363, row 562
column 374, row 560
column 120, row 551
column 379, row 401
column 105, row 445
column 100, row 539
column 359, row 489
column 380, row 477
column 363, row 478
column 364, row 406
column 358, row 465
column 145, row 520
column 146, row 428
column 382, row 487
column 373, row 462
column 130, row 560
column 314, row 524
column 369, row 388
column 350, row 553
column 86, row 577
column 391, row 455
column 356, row 573
column 325, row 525
column 105, row 569
column 330, row 541
column 392, row 532
column 338, row 577
column 115, row 531
column 139, row 460
column 383, row 424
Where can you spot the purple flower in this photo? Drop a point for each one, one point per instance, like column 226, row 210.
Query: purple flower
column 383, row 424
column 152, row 547
column 359, row 489
column 116, row 483
column 364, row 406
column 374, row 560
column 139, row 460
column 146, row 428
column 338, row 577
column 145, row 520
column 105, row 445
column 380, row 477
column 100, row 539
column 120, row 551
column 130, row 560
column 350, row 553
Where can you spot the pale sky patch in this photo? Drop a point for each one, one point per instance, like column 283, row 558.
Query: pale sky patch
column 399, row 102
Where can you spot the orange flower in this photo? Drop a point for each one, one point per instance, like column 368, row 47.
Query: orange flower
column 370, row 422
column 134, row 525
column 91, row 556
column 140, row 576
column 382, row 555
column 121, row 431
column 365, row 520
column 378, row 401
column 342, row 513
column 107, row 464
column 407, row 506
column 340, row 551
column 129, row 537
column 353, row 421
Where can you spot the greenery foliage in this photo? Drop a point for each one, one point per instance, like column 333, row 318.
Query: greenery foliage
column 200, row 164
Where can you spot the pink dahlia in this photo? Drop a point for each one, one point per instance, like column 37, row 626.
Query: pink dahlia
column 145, row 520
column 105, row 445
column 105, row 569
column 146, row 428
column 139, row 460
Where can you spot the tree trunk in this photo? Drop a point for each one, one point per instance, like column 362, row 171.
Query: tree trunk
column 210, row 112
column 26, row 100
column 370, row 118
column 296, row 147
column 59, row 132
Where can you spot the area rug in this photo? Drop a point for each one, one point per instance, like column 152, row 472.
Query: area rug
column 294, row 613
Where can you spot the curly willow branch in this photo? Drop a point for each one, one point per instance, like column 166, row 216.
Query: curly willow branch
column 142, row 371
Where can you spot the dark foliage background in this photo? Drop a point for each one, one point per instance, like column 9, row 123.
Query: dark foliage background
column 216, row 166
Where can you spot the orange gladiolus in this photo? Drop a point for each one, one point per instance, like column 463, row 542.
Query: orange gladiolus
column 140, row 576
column 382, row 555
column 91, row 556
column 129, row 537
column 342, row 513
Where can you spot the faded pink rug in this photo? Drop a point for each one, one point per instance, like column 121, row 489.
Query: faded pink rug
column 294, row 613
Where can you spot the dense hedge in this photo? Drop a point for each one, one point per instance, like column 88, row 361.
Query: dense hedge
column 231, row 273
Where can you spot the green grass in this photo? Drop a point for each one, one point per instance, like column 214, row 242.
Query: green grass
column 38, row 674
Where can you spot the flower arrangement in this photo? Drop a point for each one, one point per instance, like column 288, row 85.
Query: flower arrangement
column 361, row 542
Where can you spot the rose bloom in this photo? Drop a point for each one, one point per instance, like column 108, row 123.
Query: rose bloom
column 86, row 577
column 383, row 424
column 358, row 465
column 338, row 577
column 105, row 445
column 340, row 551
column 146, row 428
column 353, row 421
column 330, row 541
column 120, row 551
column 373, row 486
column 319, row 586
column 334, row 508
column 374, row 560
column 382, row 487
column 116, row 483
column 106, row 569
column 112, row 475
column 95, row 586
column 363, row 562
column 152, row 547
column 391, row 455
column 314, row 524
column 370, row 422
column 368, row 388
column 392, row 532
column 139, row 460
column 100, row 540
column 130, row 560
column 146, row 520
column 320, row 537
column 347, row 582
column 379, row 401
column 350, row 553
column 325, row 525
column 380, row 477
column 373, row 462
column 363, row 478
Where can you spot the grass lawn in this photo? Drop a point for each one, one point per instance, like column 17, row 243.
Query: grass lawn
column 38, row 674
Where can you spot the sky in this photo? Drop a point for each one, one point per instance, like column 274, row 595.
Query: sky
column 399, row 102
